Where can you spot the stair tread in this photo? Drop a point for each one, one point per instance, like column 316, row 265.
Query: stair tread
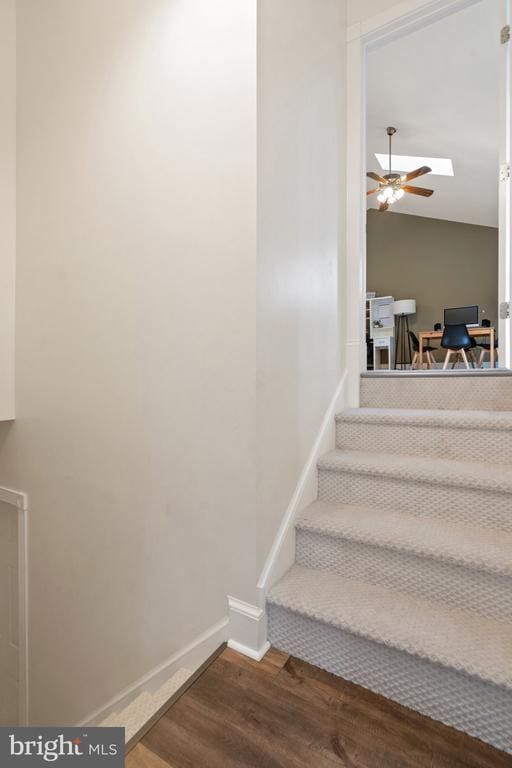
column 462, row 544
column 466, row 474
column 491, row 420
column 466, row 642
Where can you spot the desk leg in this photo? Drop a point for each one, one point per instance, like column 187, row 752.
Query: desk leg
column 492, row 350
column 420, row 356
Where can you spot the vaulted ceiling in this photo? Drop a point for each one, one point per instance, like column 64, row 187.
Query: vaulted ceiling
column 440, row 86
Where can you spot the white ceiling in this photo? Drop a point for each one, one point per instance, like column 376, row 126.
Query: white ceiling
column 440, row 87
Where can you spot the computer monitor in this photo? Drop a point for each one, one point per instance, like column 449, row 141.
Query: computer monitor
column 466, row 315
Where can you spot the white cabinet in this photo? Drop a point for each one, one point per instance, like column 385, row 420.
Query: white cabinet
column 382, row 331
column 383, row 353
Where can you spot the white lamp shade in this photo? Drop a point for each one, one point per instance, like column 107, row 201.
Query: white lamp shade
column 404, row 307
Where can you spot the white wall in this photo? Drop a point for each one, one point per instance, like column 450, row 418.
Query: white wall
column 7, row 203
column 135, row 333
column 158, row 439
column 301, row 76
column 360, row 10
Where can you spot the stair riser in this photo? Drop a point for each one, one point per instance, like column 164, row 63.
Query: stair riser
column 480, row 709
column 486, row 593
column 466, row 445
column 457, row 393
column 453, row 503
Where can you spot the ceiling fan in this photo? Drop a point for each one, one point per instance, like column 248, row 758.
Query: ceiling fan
column 393, row 186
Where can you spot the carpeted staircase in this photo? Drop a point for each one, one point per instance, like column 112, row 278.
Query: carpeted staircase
column 135, row 716
column 403, row 574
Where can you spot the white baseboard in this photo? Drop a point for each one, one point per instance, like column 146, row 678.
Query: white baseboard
column 247, row 629
column 282, row 553
column 191, row 658
column 250, row 652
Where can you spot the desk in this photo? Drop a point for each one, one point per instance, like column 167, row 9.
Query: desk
column 475, row 332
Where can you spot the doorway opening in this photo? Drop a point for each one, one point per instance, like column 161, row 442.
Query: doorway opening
column 434, row 258
column 432, row 218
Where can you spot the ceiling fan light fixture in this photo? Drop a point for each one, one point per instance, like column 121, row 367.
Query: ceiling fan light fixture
column 393, row 186
column 386, row 195
column 390, row 195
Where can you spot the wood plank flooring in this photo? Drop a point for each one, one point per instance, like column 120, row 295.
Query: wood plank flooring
column 284, row 713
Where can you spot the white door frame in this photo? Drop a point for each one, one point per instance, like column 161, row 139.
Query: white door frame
column 399, row 19
column 505, row 201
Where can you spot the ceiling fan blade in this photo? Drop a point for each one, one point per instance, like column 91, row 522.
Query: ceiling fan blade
column 376, row 177
column 383, row 206
column 372, row 191
column 418, row 172
column 418, row 191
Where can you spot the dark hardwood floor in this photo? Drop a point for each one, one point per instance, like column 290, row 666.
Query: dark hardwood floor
column 284, row 713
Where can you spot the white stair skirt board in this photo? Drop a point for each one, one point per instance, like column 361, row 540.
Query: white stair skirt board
column 281, row 555
column 402, row 579
column 247, row 629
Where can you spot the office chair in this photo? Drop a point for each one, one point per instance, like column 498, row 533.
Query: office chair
column 471, row 353
column 485, row 346
column 456, row 340
column 431, row 363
